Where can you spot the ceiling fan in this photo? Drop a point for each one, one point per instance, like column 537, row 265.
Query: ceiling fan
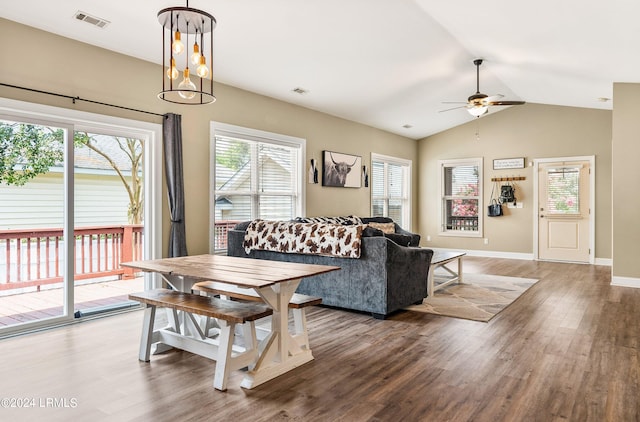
column 479, row 103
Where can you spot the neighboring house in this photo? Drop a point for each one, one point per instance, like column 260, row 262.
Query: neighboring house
column 100, row 197
column 237, row 205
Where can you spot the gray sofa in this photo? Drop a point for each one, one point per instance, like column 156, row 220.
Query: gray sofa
column 387, row 277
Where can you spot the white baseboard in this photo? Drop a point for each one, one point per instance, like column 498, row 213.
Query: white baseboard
column 604, row 261
column 511, row 255
column 625, row 282
column 490, row 254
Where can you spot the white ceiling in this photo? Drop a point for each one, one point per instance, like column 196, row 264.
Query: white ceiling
column 385, row 63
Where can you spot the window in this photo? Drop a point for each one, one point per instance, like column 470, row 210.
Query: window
column 255, row 174
column 391, row 189
column 563, row 190
column 461, row 193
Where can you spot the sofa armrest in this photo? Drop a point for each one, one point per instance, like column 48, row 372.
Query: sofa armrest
column 407, row 274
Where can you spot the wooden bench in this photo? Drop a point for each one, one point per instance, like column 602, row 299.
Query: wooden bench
column 202, row 336
column 297, row 304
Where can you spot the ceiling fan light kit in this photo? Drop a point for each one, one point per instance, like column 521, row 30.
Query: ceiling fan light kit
column 479, row 110
column 478, row 104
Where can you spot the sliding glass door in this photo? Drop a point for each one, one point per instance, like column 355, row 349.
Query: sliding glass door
column 108, row 211
column 32, row 220
column 76, row 200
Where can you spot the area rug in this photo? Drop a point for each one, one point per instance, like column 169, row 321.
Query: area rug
column 480, row 298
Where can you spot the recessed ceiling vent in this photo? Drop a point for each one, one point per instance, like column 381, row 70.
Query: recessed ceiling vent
column 100, row 23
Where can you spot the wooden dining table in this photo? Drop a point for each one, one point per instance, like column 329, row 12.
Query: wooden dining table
column 274, row 281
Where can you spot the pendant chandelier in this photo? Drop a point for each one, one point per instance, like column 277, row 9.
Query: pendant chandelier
column 186, row 70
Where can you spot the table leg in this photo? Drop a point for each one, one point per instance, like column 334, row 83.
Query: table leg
column 432, row 269
column 279, row 352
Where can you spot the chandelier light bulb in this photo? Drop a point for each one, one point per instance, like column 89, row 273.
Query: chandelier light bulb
column 172, row 72
column 203, row 70
column 177, row 45
column 195, row 57
column 186, row 87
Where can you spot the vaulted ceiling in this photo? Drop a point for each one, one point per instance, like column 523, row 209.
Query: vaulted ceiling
column 389, row 64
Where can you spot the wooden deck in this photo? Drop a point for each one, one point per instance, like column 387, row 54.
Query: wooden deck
column 26, row 307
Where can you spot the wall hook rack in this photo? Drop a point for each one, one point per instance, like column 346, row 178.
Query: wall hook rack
column 508, row 179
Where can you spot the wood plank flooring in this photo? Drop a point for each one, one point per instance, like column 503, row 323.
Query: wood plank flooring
column 566, row 350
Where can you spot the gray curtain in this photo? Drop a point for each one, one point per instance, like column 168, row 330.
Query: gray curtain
column 172, row 142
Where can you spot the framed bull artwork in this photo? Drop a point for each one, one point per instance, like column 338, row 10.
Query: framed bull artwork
column 341, row 170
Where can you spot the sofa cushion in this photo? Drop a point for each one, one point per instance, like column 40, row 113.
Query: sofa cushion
column 345, row 220
column 304, row 238
column 385, row 227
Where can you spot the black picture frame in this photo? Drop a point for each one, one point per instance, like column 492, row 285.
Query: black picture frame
column 341, row 170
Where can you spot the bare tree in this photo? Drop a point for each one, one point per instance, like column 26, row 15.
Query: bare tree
column 133, row 148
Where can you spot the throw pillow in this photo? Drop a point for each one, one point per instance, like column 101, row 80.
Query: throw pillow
column 400, row 239
column 348, row 220
column 367, row 220
column 385, row 227
column 242, row 226
column 371, row 232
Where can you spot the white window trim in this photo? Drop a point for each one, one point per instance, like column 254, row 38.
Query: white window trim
column 225, row 129
column 479, row 161
column 407, row 187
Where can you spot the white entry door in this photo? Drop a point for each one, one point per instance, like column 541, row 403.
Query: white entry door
column 564, row 214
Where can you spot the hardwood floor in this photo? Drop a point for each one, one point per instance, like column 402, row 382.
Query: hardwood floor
column 566, row 350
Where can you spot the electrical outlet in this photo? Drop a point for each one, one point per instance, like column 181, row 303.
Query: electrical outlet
column 428, row 238
column 486, row 240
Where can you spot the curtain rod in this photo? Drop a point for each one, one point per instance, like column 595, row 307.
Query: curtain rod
column 74, row 99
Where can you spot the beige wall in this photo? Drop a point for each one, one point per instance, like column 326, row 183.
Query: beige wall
column 72, row 68
column 626, row 180
column 531, row 131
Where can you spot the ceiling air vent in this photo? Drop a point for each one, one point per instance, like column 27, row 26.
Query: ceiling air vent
column 100, row 23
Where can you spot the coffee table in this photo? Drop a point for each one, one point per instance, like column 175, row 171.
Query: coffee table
column 440, row 259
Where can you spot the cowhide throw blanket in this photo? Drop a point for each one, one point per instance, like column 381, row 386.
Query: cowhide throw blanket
column 304, row 238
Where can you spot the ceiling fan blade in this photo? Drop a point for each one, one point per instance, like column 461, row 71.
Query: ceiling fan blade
column 492, row 98
column 453, row 108
column 505, row 103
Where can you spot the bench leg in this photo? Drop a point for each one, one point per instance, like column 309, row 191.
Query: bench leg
column 249, row 335
column 147, row 333
column 227, row 335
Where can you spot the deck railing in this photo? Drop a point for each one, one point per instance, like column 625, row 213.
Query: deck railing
column 34, row 257
column 221, row 229
column 463, row 223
